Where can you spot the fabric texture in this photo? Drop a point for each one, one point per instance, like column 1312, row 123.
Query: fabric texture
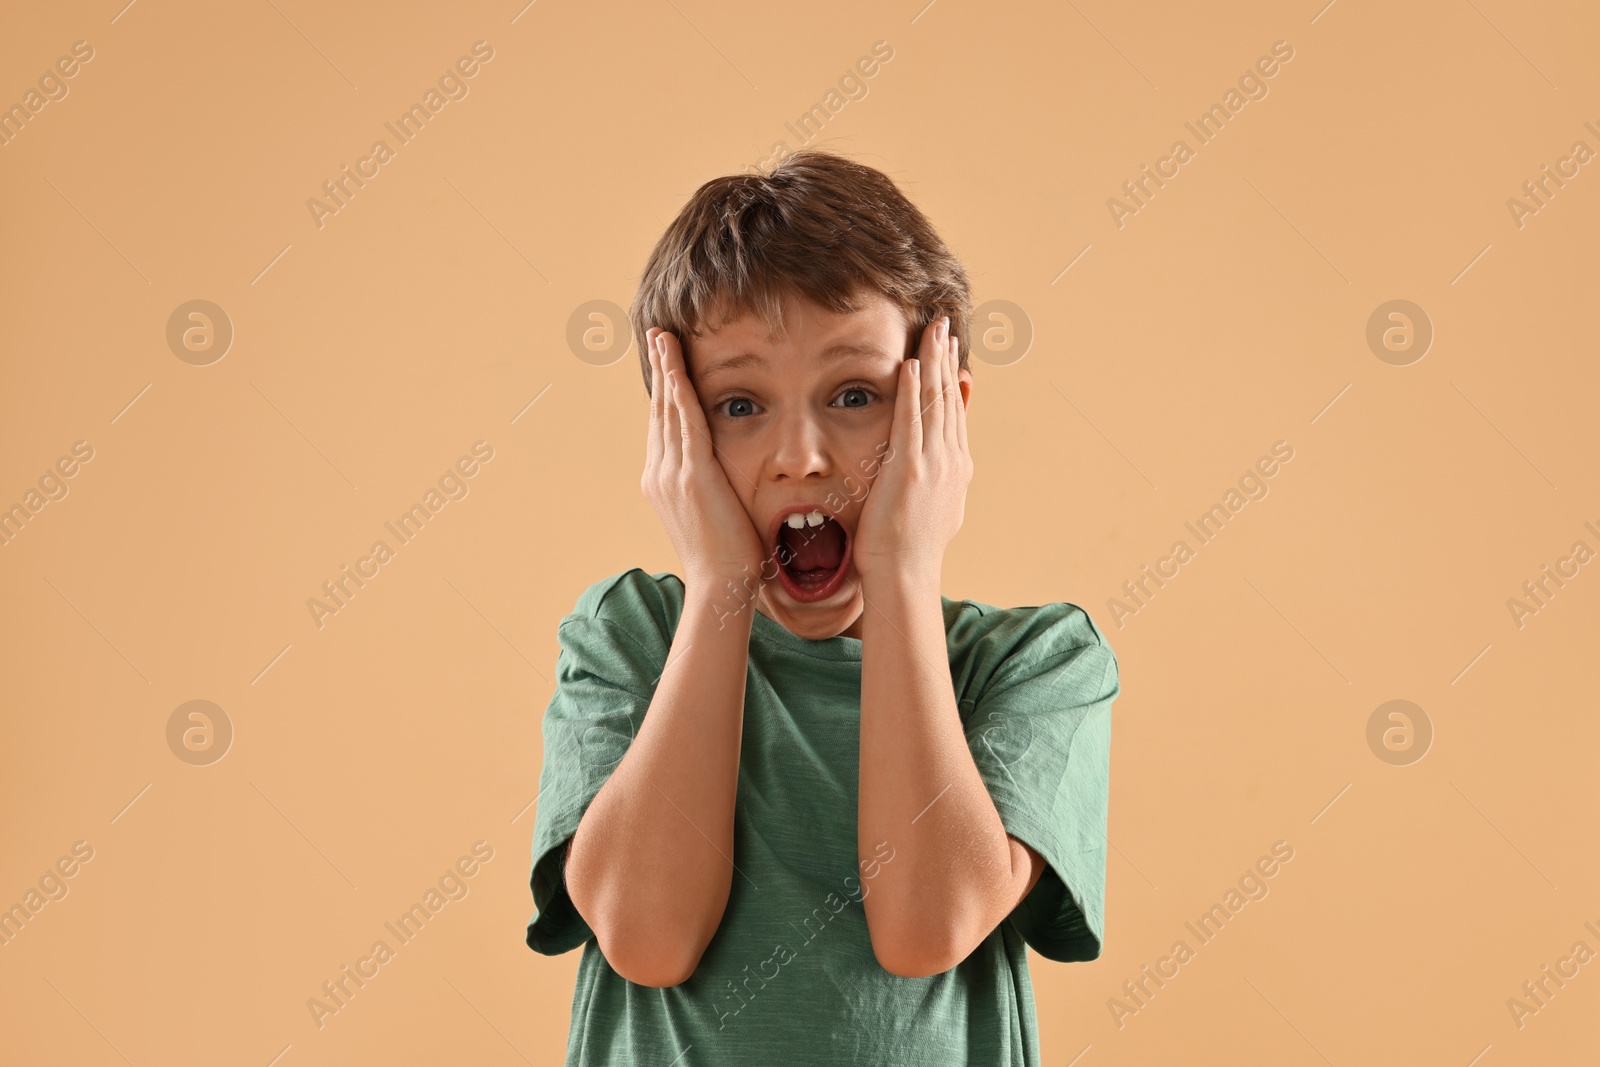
column 789, row 976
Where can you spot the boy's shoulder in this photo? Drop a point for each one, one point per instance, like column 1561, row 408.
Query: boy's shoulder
column 634, row 599
column 983, row 637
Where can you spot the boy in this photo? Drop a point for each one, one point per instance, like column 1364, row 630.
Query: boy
column 797, row 806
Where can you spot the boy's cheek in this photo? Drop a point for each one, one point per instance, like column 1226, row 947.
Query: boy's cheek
column 737, row 471
column 874, row 448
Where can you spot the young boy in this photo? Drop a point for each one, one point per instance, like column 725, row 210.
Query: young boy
column 797, row 806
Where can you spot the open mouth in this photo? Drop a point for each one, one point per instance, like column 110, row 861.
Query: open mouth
column 813, row 556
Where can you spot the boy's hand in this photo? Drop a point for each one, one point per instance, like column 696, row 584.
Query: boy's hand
column 708, row 526
column 918, row 499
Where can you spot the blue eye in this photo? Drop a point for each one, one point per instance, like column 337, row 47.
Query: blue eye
column 730, row 408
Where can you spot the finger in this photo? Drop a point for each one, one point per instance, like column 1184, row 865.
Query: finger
column 678, row 395
column 698, row 442
column 961, row 405
column 653, row 442
column 672, row 431
column 946, row 438
column 681, row 402
column 906, row 433
column 697, row 432
column 672, row 376
column 952, row 394
column 932, row 359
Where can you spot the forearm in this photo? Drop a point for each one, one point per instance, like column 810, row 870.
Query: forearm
column 921, row 791
column 651, row 863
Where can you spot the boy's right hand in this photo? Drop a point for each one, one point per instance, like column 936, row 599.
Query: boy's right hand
column 686, row 484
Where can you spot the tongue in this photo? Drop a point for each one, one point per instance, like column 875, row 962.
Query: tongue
column 814, row 548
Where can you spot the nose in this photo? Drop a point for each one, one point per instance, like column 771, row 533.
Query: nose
column 802, row 448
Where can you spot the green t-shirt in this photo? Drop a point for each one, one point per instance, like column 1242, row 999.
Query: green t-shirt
column 790, row 977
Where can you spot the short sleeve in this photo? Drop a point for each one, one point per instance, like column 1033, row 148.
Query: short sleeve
column 1040, row 734
column 612, row 650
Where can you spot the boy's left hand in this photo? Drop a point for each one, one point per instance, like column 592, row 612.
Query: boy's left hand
column 918, row 499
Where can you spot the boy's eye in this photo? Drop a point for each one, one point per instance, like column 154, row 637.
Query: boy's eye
column 742, row 407
column 732, row 404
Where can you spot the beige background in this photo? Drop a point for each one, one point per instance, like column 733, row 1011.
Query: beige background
column 1229, row 313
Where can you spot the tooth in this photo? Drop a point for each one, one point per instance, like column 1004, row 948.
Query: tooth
column 795, row 521
column 814, row 518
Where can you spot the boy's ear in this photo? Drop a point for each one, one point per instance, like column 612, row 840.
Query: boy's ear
column 964, row 377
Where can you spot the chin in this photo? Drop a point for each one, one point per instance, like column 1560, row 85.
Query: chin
column 816, row 621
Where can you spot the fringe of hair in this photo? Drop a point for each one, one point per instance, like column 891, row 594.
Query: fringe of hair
column 818, row 226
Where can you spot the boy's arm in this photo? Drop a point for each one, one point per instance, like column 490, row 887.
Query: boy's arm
column 650, row 865
column 956, row 874
column 1025, row 858
column 651, row 862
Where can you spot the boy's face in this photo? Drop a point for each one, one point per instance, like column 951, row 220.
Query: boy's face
column 806, row 421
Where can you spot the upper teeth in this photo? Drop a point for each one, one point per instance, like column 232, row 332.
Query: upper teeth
column 811, row 518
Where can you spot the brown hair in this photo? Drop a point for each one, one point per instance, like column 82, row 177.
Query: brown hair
column 819, row 226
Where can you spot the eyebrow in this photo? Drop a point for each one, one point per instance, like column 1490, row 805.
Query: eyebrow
column 831, row 354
